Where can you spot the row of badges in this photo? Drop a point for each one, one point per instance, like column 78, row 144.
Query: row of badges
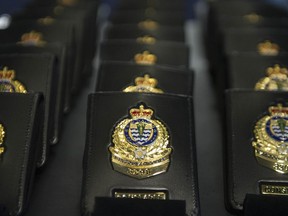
column 45, row 51
column 253, row 37
column 29, row 35
column 141, row 145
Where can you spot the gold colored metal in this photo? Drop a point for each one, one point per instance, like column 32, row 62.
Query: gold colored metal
column 2, row 136
column 146, row 40
column 48, row 20
column 144, row 84
column 272, row 189
column 32, row 38
column 8, row 84
column 141, row 195
column 145, row 58
column 267, row 48
column 148, row 25
column 253, row 18
column 277, row 79
column 140, row 145
column 271, row 139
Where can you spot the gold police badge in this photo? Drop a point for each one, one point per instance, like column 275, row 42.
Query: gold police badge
column 140, row 144
column 276, row 80
column 8, row 84
column 144, row 84
column 2, row 135
column 271, row 139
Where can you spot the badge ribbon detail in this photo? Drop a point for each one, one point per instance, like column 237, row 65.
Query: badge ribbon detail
column 140, row 145
column 271, row 139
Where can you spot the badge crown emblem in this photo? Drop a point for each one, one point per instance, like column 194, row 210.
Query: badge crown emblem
column 144, row 84
column 268, row 48
column 141, row 112
column 276, row 70
column 253, row 17
column 278, row 110
column 146, row 80
column 7, row 74
column 32, row 38
column 145, row 58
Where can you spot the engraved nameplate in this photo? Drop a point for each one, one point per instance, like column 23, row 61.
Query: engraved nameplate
column 140, row 194
column 274, row 188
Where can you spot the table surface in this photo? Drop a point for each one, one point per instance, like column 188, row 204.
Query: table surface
column 57, row 188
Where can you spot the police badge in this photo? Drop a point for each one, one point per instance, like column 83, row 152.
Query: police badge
column 8, row 84
column 271, row 139
column 144, row 84
column 2, row 135
column 140, row 145
column 276, row 80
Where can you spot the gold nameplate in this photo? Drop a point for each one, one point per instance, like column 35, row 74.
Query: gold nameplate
column 146, row 40
column 150, row 195
column 271, row 139
column 32, row 38
column 274, row 188
column 148, row 25
column 276, row 80
column 267, row 48
column 2, row 136
column 140, row 145
column 253, row 18
column 144, row 84
column 8, row 84
column 145, row 58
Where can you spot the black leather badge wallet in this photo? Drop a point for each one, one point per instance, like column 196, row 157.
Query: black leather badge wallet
column 138, row 146
column 256, row 148
column 21, row 119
